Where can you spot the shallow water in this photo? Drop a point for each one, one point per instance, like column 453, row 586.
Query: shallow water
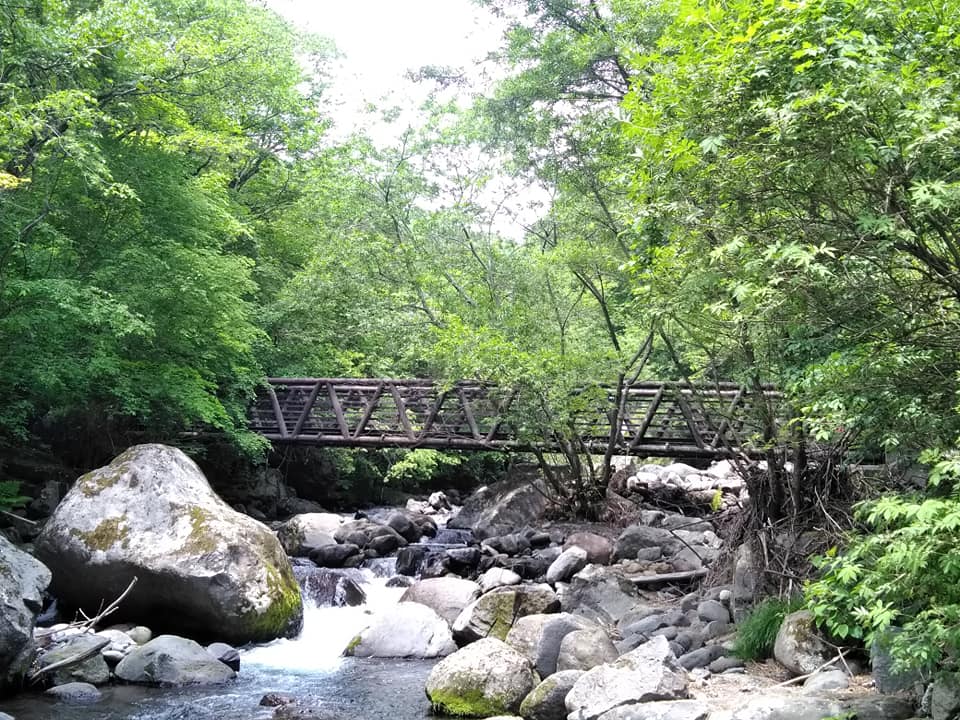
column 309, row 668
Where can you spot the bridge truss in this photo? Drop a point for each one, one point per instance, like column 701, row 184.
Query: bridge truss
column 666, row 419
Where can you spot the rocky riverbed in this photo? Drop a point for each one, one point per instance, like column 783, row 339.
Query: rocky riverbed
column 497, row 612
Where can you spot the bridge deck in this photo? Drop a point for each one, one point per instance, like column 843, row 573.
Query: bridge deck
column 660, row 418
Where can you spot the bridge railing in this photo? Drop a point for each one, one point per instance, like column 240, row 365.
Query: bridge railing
column 660, row 418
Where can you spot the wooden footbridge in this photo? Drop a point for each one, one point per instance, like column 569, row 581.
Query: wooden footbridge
column 656, row 418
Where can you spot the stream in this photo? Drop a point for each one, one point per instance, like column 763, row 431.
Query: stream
column 309, row 668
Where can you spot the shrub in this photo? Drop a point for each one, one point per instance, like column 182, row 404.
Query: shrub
column 903, row 571
column 758, row 632
column 10, row 496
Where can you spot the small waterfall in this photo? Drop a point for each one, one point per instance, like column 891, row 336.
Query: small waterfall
column 326, row 632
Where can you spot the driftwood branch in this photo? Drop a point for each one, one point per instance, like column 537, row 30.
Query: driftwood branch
column 88, row 623
column 72, row 660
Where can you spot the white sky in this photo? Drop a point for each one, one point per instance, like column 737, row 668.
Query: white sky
column 383, row 39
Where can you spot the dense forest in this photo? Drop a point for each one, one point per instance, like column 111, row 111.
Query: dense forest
column 753, row 191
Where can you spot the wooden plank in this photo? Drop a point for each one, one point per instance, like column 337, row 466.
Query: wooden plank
column 308, row 406
column 368, row 412
column 338, row 411
column 468, row 413
column 402, row 412
column 432, row 416
column 647, row 419
column 278, row 413
column 688, row 417
column 683, row 576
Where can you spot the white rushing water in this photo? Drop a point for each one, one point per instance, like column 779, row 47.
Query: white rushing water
column 326, row 632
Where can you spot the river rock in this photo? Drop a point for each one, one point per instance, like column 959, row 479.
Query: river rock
column 366, row 534
column 599, row 548
column 330, row 588
column 448, row 596
column 798, row 646
column 600, row 593
column 497, row 577
column 22, row 582
column 888, row 680
column 227, row 654
column 119, row 645
column 585, row 649
column 202, row 566
column 639, row 537
column 494, row 613
column 571, row 561
column 93, row 670
column 503, row 506
column 546, row 700
column 483, row 679
column 344, row 555
column 825, row 680
column 302, row 533
column 669, row 710
column 75, row 693
column 648, row 674
column 172, row 660
column 538, row 638
column 407, row 629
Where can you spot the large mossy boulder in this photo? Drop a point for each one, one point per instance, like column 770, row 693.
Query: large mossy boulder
column 22, row 582
column 203, row 569
column 484, row 679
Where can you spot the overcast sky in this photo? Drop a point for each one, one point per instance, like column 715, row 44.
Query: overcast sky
column 383, row 39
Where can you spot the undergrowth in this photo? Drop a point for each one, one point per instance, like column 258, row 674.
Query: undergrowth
column 758, row 632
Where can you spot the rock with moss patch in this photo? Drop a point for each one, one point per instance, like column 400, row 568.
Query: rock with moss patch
column 22, row 582
column 538, row 637
column 404, row 630
column 484, row 679
column 202, row 568
column 494, row 613
column 546, row 700
column 303, row 533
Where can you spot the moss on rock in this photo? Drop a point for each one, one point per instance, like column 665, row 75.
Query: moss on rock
column 284, row 615
column 467, row 703
column 105, row 535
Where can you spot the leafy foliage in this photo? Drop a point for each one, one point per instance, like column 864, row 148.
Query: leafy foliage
column 10, row 497
column 902, row 571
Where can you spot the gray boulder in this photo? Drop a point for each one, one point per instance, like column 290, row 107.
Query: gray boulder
column 798, row 707
column 302, row 533
column 600, row 593
column 483, row 679
column 447, row 596
column 571, row 561
column 503, row 506
column 599, row 548
column 546, row 700
column 203, row 566
column 329, row 588
column 585, row 649
column 75, row 693
column 494, row 613
column 497, row 577
column 538, row 638
column 93, row 670
column 645, row 675
column 798, row 646
column 826, row 680
column 669, row 710
column 172, row 660
column 22, row 582
column 945, row 697
column 367, row 534
column 344, row 555
column 405, row 630
column 640, row 537
column 886, row 678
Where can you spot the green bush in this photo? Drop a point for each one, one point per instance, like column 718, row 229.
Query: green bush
column 417, row 468
column 903, row 570
column 758, row 632
column 10, row 497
